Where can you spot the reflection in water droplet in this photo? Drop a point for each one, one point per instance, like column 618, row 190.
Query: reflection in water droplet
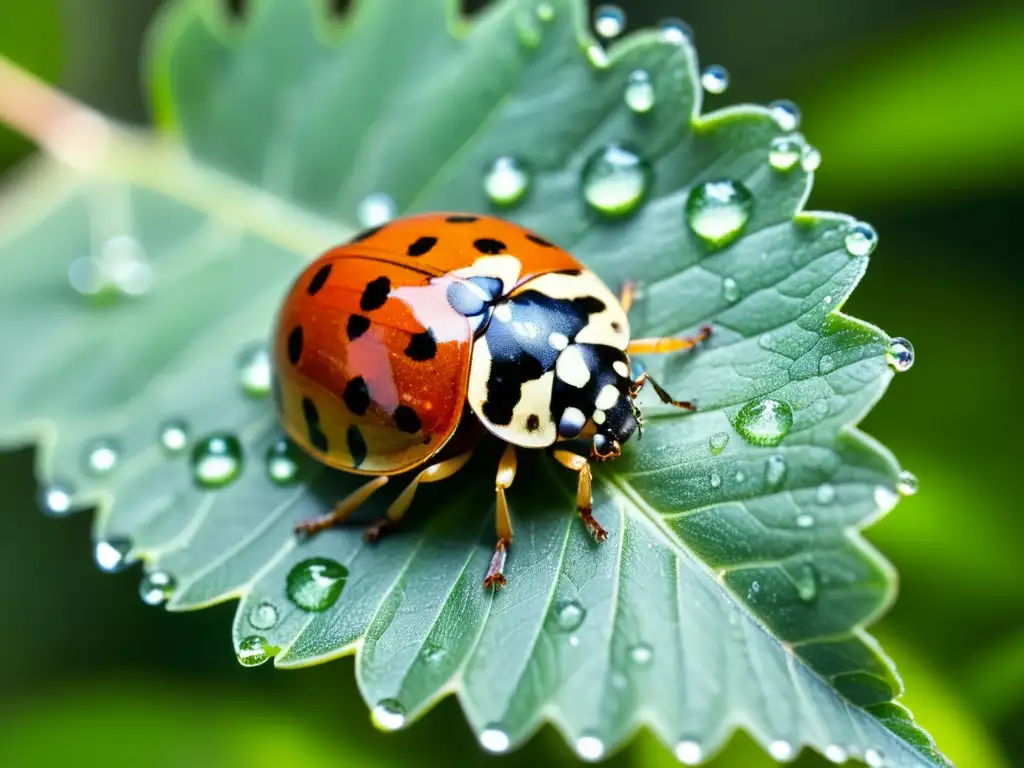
column 874, row 758
column 786, row 114
column 315, row 584
column 615, row 180
column 717, row 442
column 689, row 753
column 506, row 181
column 907, row 483
column 494, row 740
column 56, row 499
column 388, row 715
column 784, row 153
column 716, row 480
column 715, row 78
column 641, row 653
column 376, row 209
column 730, row 289
column 639, row 93
column 284, row 462
column 835, row 753
column 252, row 651
column 810, row 159
column 216, row 460
column 781, row 750
column 826, row 364
column 253, row 368
column 717, row 211
column 804, row 520
column 590, row 748
column 825, row 494
column 156, row 587
column 764, row 422
column 861, row 239
column 569, row 614
column 263, row 615
column 110, row 555
column 901, row 354
column 775, row 470
column 100, row 456
column 675, row 31
column 173, row 436
column 609, row 21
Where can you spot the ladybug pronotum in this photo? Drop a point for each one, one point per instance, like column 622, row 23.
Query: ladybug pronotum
column 392, row 350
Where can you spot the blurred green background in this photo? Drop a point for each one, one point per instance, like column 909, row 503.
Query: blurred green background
column 918, row 109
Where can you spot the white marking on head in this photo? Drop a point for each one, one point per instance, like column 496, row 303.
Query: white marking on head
column 599, row 416
column 571, row 368
column 503, row 312
column 558, row 340
column 621, row 368
column 607, row 397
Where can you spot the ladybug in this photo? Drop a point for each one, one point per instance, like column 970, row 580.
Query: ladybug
column 391, row 351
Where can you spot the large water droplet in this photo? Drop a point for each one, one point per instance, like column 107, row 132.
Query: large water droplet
column 717, row 442
column 263, row 615
column 641, row 654
column 253, row 368
column 388, row 715
column 284, row 462
column 156, row 587
column 836, row 754
column 781, row 750
column 315, row 584
column 590, row 748
column 786, row 114
column 901, row 354
column 861, row 239
column 101, row 456
column 810, row 159
column 506, row 181
column 494, row 740
column 569, row 614
column 376, row 209
column 110, row 555
column 775, row 470
column 56, row 499
column 784, row 153
column 907, row 483
column 730, row 289
column 217, row 460
column 764, row 422
column 689, row 753
column 825, row 494
column 717, row 211
column 675, row 31
column 609, row 21
column 615, row 180
column 252, row 651
column 173, row 436
column 639, row 93
column 874, row 758
column 715, row 78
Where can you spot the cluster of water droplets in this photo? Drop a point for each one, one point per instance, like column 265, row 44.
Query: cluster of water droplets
column 119, row 268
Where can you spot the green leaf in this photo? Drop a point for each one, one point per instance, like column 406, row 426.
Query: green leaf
column 734, row 588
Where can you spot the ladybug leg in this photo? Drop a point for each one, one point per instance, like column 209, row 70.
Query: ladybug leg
column 645, row 378
column 627, row 294
column 433, row 473
column 659, row 346
column 584, row 495
column 342, row 509
column 503, row 521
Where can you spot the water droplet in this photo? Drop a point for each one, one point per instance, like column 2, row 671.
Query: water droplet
column 494, row 740
column 764, row 422
column 689, row 753
column 376, row 209
column 121, row 267
column 574, row 640
column 716, row 480
column 156, row 587
column 806, row 581
column 615, row 180
column 284, row 462
column 506, row 181
column 826, row 364
column 590, row 748
column 433, row 654
column 784, row 153
column 828, row 300
column 804, row 520
column 753, row 591
column 810, row 159
column 252, row 651
column 253, row 368
column 717, row 442
column 569, row 614
column 874, row 758
column 775, row 470
column 901, row 354
column 56, row 498
column 675, row 31
column 730, row 289
column 835, row 753
column 740, row 477
column 545, row 12
column 315, row 584
column 101, row 456
column 388, row 715
column 861, row 239
column 715, row 78
column 641, row 653
column 263, row 615
column 174, row 435
column 609, row 21
column 906, row 483
column 110, row 555
column 825, row 494
column 639, row 91
column 217, row 460
column 717, row 211
column 786, row 114
column 781, row 750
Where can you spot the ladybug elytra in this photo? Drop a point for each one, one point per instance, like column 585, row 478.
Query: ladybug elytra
column 386, row 345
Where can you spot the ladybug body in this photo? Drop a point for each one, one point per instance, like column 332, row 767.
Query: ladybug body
column 385, row 345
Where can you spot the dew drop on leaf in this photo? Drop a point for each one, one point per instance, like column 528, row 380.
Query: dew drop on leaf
column 786, row 114
column 716, row 480
column 253, row 368
column 545, row 12
column 110, row 555
column 861, row 239
column 101, row 456
column 781, row 750
column 717, row 211
column 173, row 435
column 252, row 651
column 494, row 740
column 835, row 753
column 901, row 354
column 590, row 748
column 675, row 31
column 825, row 494
column 806, row 580
column 388, row 715
column 804, row 520
column 641, row 654
column 506, row 181
column 217, row 460
column 376, row 209
column 718, row 442
column 315, row 584
column 283, row 460
column 609, row 21
column 569, row 614
column 639, row 93
column 56, row 499
column 263, row 615
column 715, row 78
column 874, row 758
column 615, row 180
column 775, row 470
column 810, row 159
column 784, row 153
column 730, row 289
column 907, row 483
column 689, row 753
column 156, row 587
column 764, row 422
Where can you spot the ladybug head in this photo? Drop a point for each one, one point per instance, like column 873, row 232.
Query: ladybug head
column 615, row 417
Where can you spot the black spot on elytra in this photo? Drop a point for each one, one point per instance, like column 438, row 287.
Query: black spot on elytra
column 366, row 233
column 309, row 411
column 357, row 326
column 295, row 345
column 505, row 386
column 422, row 346
column 356, row 445
column 462, row 219
column 489, row 246
column 422, row 246
column 533, row 422
column 375, row 294
column 317, row 438
column 319, row 279
column 357, row 396
column 540, row 241
column 406, row 419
